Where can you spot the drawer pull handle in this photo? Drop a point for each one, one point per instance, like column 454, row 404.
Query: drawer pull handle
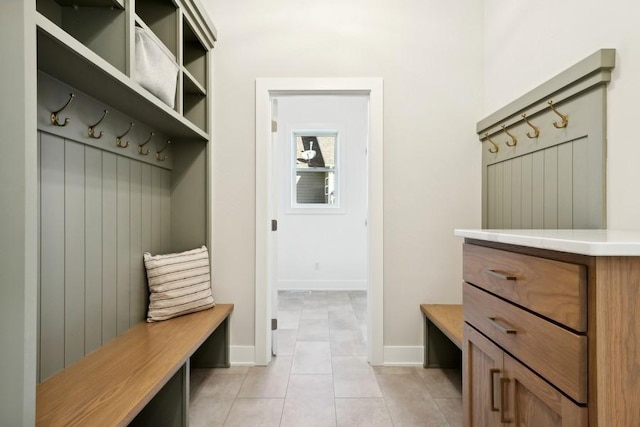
column 503, row 400
column 492, row 372
column 501, row 328
column 499, row 275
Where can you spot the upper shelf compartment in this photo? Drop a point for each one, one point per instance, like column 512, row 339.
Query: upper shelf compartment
column 93, row 45
column 161, row 16
column 194, row 55
column 194, row 75
column 100, row 25
column 68, row 60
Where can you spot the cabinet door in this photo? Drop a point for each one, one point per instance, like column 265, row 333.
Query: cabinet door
column 534, row 402
column 482, row 370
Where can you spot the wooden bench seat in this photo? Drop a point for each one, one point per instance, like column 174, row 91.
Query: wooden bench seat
column 442, row 335
column 115, row 383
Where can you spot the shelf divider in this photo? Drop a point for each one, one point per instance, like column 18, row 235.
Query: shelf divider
column 192, row 84
column 92, row 3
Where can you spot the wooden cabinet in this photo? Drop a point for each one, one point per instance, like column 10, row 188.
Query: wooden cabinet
column 559, row 317
column 550, row 338
column 500, row 391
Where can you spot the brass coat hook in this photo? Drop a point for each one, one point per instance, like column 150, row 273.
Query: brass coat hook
column 140, row 151
column 565, row 118
column 495, row 146
column 514, row 140
column 536, row 131
column 92, row 128
column 165, row 157
column 119, row 138
column 54, row 114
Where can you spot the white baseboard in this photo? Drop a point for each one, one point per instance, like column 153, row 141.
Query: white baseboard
column 403, row 355
column 322, row 285
column 242, row 355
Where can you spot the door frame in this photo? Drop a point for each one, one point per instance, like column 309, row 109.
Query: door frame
column 266, row 88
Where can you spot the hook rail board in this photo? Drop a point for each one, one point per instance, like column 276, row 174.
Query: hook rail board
column 87, row 121
column 544, row 154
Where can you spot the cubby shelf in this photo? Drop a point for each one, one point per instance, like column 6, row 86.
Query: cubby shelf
column 161, row 17
column 194, row 75
column 140, row 23
column 65, row 58
column 100, row 25
column 194, row 54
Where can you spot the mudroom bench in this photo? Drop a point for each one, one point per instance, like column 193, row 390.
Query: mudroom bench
column 139, row 378
column 442, row 335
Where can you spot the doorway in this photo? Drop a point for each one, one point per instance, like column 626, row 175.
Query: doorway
column 267, row 90
column 320, row 187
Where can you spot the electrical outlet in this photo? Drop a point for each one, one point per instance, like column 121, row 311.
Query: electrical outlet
column 317, row 265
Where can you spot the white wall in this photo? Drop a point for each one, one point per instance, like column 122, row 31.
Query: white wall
column 429, row 54
column 526, row 45
column 324, row 250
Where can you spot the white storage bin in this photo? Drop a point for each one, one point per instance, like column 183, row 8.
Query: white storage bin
column 155, row 69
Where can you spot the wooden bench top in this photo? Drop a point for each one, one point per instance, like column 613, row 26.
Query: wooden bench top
column 111, row 385
column 448, row 318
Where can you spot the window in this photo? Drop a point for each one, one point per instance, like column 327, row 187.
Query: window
column 316, row 175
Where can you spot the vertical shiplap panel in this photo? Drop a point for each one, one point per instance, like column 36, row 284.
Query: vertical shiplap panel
column 596, row 210
column 551, row 187
column 146, row 224
column 527, row 191
column 537, row 190
column 491, row 196
column 156, row 211
column 123, row 254
column 98, row 213
column 52, row 255
column 109, row 246
column 516, row 193
column 580, row 183
column 137, row 269
column 499, row 195
column 93, row 249
column 165, row 182
column 565, row 186
column 74, row 253
column 506, row 194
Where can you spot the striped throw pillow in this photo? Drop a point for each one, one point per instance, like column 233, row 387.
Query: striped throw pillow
column 178, row 283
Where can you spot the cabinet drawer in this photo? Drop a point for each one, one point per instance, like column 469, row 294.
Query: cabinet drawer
column 554, row 289
column 556, row 354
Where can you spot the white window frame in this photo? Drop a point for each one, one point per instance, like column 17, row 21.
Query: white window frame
column 325, row 129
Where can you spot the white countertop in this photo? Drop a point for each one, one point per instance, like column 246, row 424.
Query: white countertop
column 585, row 242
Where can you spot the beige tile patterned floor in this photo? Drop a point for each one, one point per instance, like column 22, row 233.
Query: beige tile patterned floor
column 321, row 377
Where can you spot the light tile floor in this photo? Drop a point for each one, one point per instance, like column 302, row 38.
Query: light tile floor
column 321, row 377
